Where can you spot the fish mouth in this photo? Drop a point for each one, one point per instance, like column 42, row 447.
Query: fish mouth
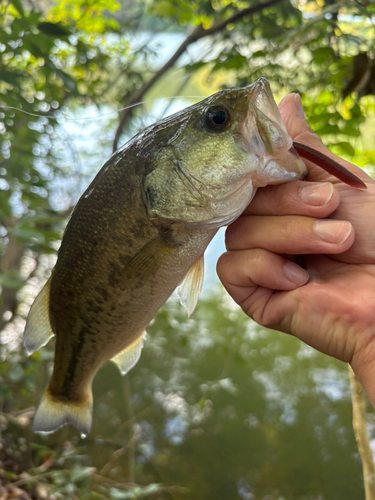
column 264, row 135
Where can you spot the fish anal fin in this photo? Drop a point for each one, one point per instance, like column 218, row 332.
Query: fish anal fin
column 53, row 414
column 129, row 357
column 38, row 329
column 191, row 286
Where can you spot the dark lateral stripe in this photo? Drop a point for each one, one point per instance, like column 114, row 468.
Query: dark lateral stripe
column 329, row 165
column 70, row 374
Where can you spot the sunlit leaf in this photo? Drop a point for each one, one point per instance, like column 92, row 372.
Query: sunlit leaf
column 18, row 5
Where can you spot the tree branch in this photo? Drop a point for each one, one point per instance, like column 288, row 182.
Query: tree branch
column 361, row 436
column 130, row 443
column 196, row 35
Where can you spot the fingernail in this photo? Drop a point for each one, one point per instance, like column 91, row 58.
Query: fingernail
column 299, row 107
column 333, row 231
column 317, row 195
column 295, row 273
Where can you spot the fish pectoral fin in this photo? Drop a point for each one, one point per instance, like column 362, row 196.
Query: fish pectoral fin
column 53, row 414
column 129, row 357
column 38, row 328
column 191, row 286
column 149, row 258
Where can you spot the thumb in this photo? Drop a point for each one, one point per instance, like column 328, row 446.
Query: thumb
column 292, row 114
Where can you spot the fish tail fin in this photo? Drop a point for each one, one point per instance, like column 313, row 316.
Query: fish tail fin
column 38, row 329
column 53, row 414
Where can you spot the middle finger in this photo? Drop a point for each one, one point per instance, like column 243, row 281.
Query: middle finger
column 290, row 234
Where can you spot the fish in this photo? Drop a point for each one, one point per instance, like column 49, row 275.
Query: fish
column 141, row 229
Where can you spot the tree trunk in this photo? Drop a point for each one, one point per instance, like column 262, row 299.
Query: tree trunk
column 11, row 261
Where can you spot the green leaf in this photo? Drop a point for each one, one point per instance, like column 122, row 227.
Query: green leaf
column 351, row 130
column 18, row 6
column 5, row 207
column 4, row 391
column 57, row 30
column 41, row 449
column 135, row 492
column 9, row 77
column 344, row 147
column 28, row 233
column 78, row 473
column 16, row 373
column 328, row 129
column 68, row 80
column 11, row 279
column 322, row 54
column 151, row 488
column 119, row 494
column 165, row 9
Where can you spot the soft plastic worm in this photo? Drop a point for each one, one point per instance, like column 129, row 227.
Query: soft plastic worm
column 331, row 166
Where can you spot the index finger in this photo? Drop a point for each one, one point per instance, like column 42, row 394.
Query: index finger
column 313, row 199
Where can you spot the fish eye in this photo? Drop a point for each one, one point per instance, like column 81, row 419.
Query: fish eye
column 217, row 118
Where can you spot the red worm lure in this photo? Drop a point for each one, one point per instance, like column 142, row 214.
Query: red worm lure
column 329, row 165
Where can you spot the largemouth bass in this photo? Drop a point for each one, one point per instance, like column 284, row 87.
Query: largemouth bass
column 141, row 228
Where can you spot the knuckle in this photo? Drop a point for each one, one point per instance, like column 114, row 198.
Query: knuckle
column 236, row 233
column 309, row 137
column 222, row 265
column 262, row 199
column 281, row 199
column 229, row 233
column 255, row 258
column 292, row 197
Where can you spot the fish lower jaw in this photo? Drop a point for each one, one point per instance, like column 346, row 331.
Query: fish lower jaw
column 280, row 170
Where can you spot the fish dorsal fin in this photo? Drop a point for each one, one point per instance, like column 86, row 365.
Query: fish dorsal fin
column 191, row 286
column 129, row 357
column 38, row 329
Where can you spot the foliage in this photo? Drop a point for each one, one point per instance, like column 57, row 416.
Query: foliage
column 221, row 407
column 190, row 430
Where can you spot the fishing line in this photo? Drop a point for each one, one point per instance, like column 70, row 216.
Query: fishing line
column 103, row 114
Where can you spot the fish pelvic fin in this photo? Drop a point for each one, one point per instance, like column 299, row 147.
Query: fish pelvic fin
column 129, row 357
column 53, row 414
column 38, row 329
column 191, row 286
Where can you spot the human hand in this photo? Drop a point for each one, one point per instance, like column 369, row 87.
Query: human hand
column 330, row 304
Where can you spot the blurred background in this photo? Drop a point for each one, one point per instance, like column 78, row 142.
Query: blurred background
column 217, row 408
